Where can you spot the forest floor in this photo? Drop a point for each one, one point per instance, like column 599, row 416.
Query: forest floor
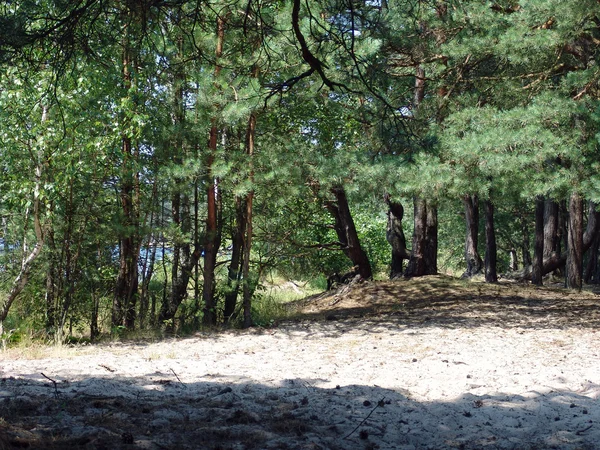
column 429, row 363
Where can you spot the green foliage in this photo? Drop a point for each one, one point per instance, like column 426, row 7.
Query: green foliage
column 510, row 111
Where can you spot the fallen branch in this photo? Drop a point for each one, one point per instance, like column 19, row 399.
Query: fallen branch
column 56, row 393
column 380, row 404
column 178, row 379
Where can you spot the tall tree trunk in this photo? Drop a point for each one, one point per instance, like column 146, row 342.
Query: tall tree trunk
column 472, row 258
column 183, row 258
column 538, row 249
column 346, row 232
column 126, row 289
column 575, row 241
column 248, row 286
column 395, row 237
column 491, row 253
column 211, row 243
column 423, row 257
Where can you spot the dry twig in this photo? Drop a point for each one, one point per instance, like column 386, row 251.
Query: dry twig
column 53, row 382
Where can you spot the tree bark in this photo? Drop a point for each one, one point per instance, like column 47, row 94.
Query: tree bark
column 416, row 264
column 558, row 260
column 395, row 237
column 346, row 232
column 491, row 253
column 575, row 241
column 248, row 286
column 431, row 239
column 472, row 258
column 234, row 272
column 551, row 235
column 538, row 249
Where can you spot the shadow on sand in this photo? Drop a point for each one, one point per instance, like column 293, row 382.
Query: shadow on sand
column 294, row 414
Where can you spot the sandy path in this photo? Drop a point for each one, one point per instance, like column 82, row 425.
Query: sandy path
column 372, row 383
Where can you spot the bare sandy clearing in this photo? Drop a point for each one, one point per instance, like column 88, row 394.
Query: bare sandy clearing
column 428, row 364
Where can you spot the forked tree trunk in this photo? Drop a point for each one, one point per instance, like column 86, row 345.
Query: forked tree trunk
column 538, row 249
column 395, row 237
column 234, row 273
column 491, row 253
column 575, row 241
column 346, row 232
column 423, row 257
column 557, row 261
column 472, row 258
column 416, row 264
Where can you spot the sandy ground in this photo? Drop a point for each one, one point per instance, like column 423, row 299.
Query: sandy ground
column 408, row 365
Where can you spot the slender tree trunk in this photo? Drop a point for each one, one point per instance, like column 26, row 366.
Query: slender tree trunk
column 575, row 240
column 431, row 239
column 538, row 249
column 126, row 289
column 212, row 232
column 234, row 269
column 395, row 237
column 491, row 253
column 590, row 241
column 346, row 233
column 29, row 255
column 472, row 258
column 248, row 286
column 51, row 281
column 147, row 274
column 95, row 313
column 183, row 258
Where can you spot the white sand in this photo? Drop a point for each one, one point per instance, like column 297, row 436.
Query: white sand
column 374, row 383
